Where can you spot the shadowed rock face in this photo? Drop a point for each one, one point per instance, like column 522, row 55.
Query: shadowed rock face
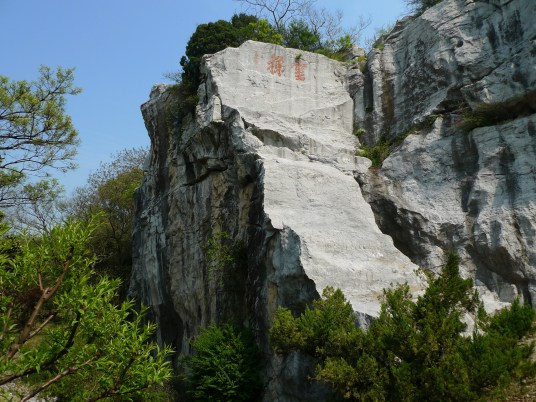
column 269, row 160
column 447, row 187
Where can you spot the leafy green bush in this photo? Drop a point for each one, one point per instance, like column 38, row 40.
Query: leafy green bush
column 62, row 331
column 377, row 153
column 416, row 349
column 225, row 365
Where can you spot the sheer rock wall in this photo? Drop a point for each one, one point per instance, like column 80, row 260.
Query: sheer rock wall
column 448, row 186
column 269, row 161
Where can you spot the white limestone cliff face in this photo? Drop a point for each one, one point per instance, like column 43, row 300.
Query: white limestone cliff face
column 299, row 126
column 446, row 187
column 268, row 160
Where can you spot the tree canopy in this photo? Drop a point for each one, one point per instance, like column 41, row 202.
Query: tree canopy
column 35, row 132
column 224, row 366
column 215, row 36
column 60, row 327
column 108, row 198
column 318, row 28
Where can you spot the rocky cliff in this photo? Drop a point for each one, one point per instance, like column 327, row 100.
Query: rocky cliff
column 458, row 84
column 268, row 167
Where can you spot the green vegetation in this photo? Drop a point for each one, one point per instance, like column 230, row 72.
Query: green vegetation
column 378, row 39
column 377, row 153
column 35, row 133
column 224, row 366
column 215, row 36
column 296, row 24
column 420, row 6
column 208, row 39
column 415, row 349
column 358, row 132
column 61, row 332
column 304, row 26
column 223, row 255
column 486, row 114
column 108, row 198
column 489, row 114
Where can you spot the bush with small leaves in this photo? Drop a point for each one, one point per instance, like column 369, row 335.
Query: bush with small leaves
column 415, row 350
column 61, row 330
column 224, row 366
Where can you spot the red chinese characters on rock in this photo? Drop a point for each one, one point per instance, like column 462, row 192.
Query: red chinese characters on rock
column 299, row 69
column 276, row 65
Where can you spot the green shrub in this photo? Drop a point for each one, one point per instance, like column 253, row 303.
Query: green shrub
column 485, row 114
column 415, row 350
column 358, row 132
column 224, row 366
column 377, row 153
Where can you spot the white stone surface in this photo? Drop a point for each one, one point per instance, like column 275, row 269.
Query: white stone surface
column 308, row 150
column 445, row 188
column 458, row 52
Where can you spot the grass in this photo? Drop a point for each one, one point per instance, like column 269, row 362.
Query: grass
column 379, row 152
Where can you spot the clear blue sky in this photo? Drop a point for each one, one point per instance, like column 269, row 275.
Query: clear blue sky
column 120, row 48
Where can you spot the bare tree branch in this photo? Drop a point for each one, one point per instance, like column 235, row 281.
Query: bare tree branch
column 278, row 12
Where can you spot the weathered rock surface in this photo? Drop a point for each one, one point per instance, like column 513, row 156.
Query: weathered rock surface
column 270, row 161
column 457, row 53
column 446, row 187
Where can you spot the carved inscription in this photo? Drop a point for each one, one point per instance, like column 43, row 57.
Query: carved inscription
column 276, row 65
column 299, row 69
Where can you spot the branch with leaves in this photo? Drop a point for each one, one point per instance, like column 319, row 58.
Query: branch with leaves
column 35, row 132
column 82, row 345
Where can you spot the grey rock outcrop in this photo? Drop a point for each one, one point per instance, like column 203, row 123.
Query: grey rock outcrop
column 449, row 186
column 269, row 160
column 268, row 164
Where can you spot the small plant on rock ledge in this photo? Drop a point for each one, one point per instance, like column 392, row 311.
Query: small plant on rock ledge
column 221, row 254
column 485, row 114
column 377, row 153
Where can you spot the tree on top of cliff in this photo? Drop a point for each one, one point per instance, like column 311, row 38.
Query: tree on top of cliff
column 290, row 17
column 215, row 36
column 420, row 6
